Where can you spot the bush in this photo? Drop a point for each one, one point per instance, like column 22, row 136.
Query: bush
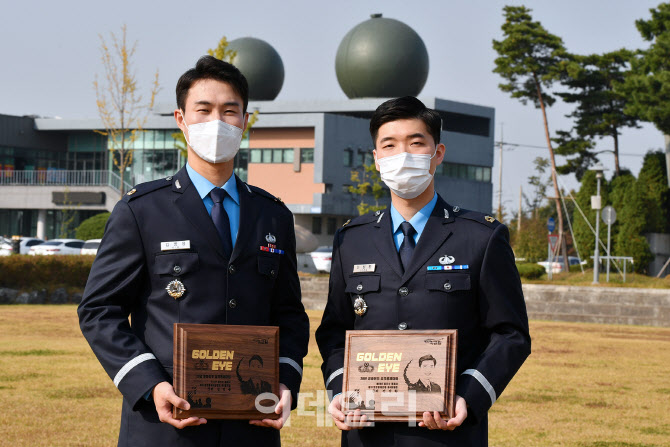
column 50, row 272
column 93, row 227
column 530, row 271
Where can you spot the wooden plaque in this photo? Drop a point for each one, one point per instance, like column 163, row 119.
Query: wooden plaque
column 225, row 371
column 394, row 376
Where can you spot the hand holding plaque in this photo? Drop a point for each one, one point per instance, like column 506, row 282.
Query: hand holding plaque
column 225, row 371
column 395, row 376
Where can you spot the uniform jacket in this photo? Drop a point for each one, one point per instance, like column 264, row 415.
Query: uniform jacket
column 483, row 300
column 130, row 275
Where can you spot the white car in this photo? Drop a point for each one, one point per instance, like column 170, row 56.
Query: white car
column 322, row 258
column 7, row 246
column 58, row 247
column 557, row 265
column 91, row 247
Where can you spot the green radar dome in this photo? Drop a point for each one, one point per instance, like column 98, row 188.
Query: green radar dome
column 260, row 63
column 381, row 58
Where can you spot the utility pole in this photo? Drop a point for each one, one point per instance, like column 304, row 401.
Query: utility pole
column 518, row 221
column 499, row 214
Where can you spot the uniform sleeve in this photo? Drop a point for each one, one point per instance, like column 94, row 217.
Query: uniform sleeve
column 338, row 317
column 113, row 289
column 504, row 319
column 289, row 314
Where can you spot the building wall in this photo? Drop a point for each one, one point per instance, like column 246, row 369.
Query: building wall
column 281, row 179
column 281, row 137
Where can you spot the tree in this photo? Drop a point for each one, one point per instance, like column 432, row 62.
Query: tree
column 529, row 58
column 630, row 240
column 367, row 181
column 653, row 179
column 599, row 111
column 120, row 105
column 647, row 85
column 539, row 184
column 93, row 227
column 221, row 52
column 582, row 231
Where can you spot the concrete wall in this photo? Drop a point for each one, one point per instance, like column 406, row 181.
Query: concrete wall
column 611, row 305
column 40, row 197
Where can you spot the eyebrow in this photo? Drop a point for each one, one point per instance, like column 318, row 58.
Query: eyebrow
column 208, row 103
column 417, row 135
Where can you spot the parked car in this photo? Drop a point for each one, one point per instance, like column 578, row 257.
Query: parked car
column 91, row 247
column 58, row 247
column 557, row 264
column 7, row 246
column 322, row 258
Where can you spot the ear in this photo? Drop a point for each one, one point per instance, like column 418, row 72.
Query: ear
column 246, row 121
column 179, row 118
column 374, row 154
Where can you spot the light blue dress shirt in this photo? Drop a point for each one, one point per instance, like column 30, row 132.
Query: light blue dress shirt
column 418, row 221
column 231, row 203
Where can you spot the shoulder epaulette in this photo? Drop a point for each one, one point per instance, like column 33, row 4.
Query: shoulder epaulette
column 145, row 188
column 264, row 193
column 485, row 219
column 361, row 220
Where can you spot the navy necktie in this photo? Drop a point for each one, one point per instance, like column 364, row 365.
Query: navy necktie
column 220, row 218
column 407, row 246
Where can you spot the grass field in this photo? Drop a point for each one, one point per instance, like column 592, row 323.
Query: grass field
column 634, row 280
column 584, row 385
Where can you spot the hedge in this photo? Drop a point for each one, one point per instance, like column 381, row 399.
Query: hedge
column 530, row 270
column 93, row 227
column 25, row 271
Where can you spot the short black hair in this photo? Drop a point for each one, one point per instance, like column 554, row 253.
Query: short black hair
column 209, row 67
column 257, row 358
column 407, row 107
column 427, row 358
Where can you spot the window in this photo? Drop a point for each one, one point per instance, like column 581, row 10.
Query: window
column 255, row 156
column 277, row 155
column 348, row 159
column 288, row 155
column 267, row 156
column 331, row 223
column 307, row 155
column 316, row 224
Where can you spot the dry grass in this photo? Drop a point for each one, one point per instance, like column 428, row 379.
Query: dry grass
column 584, row 385
column 577, row 278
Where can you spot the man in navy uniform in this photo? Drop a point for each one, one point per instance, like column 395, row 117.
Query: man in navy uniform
column 198, row 247
column 424, row 264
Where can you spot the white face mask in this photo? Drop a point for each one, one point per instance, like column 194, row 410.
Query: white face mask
column 407, row 175
column 214, row 141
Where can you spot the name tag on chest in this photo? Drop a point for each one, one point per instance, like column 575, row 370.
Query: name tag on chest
column 364, row 268
column 175, row 245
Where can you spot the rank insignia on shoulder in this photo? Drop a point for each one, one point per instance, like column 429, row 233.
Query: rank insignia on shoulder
column 346, row 223
column 489, row 219
column 360, row 306
column 175, row 289
column 131, row 192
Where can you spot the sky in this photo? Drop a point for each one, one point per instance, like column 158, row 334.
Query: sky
column 51, row 55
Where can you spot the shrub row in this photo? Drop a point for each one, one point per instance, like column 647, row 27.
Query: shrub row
column 530, row 271
column 50, row 272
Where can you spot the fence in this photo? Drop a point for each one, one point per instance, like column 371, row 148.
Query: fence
column 62, row 177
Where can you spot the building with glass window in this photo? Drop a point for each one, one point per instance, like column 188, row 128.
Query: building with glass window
column 54, row 173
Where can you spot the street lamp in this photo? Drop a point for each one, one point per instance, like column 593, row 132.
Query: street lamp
column 596, row 204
